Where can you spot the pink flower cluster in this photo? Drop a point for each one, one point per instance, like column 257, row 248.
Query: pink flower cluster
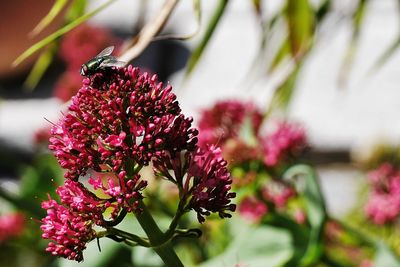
column 224, row 121
column 119, row 121
column 383, row 205
column 11, row 225
column 223, row 124
column 77, row 46
column 289, row 140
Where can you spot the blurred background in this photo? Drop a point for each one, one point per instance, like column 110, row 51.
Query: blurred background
column 331, row 66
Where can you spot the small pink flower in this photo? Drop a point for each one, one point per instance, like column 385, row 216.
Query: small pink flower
column 383, row 205
column 287, row 141
column 224, row 121
column 252, row 209
column 69, row 230
column 211, row 183
column 11, row 225
column 278, row 193
column 300, row 216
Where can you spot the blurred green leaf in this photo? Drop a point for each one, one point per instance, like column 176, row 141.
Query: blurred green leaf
column 300, row 20
column 255, row 246
column 323, row 10
column 212, row 24
column 283, row 93
column 76, row 9
column 257, row 6
column 387, row 54
column 54, row 11
column 40, row 67
column 316, row 212
column 384, row 257
column 46, row 41
column 283, row 52
column 358, row 18
column 41, row 177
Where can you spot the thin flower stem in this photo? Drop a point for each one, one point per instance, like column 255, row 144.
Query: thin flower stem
column 149, row 31
column 160, row 244
column 128, row 236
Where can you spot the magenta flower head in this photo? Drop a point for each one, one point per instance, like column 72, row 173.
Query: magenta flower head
column 120, row 121
column 287, row 141
column 383, row 205
column 225, row 119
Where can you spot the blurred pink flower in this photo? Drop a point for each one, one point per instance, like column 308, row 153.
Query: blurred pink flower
column 68, row 85
column 11, row 225
column 278, row 193
column 83, row 43
column 383, row 205
column 224, row 121
column 252, row 209
column 287, row 141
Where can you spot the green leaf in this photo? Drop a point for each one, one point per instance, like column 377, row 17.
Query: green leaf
column 46, row 41
column 212, row 24
column 358, row 18
column 255, row 246
column 316, row 212
column 40, row 67
column 284, row 92
column 257, row 6
column 384, row 57
column 54, row 11
column 384, row 257
column 300, row 20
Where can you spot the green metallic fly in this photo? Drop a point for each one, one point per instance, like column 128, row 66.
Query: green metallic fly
column 101, row 61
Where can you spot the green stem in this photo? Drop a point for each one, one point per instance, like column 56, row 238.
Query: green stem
column 157, row 239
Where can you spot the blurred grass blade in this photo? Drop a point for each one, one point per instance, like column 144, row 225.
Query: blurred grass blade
column 76, row 9
column 358, row 18
column 212, row 24
column 386, row 55
column 323, row 10
column 36, row 47
column 300, row 20
column 197, row 10
column 283, row 93
column 54, row 11
column 40, row 67
column 283, row 53
column 257, row 7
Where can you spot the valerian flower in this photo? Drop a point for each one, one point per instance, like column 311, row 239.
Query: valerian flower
column 286, row 142
column 120, row 121
column 383, row 205
column 225, row 119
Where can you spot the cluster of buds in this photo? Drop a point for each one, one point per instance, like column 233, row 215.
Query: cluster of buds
column 224, row 124
column 383, row 205
column 120, row 121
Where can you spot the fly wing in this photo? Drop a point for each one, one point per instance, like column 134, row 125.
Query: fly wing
column 106, row 52
column 112, row 62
